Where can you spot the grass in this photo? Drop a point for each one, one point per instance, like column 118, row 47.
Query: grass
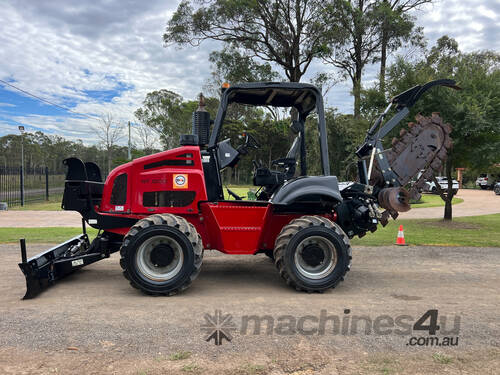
column 42, row 235
column 242, row 191
column 441, row 358
column 178, row 356
column 464, row 231
column 53, row 204
column 191, row 368
column 431, row 200
column 252, row 369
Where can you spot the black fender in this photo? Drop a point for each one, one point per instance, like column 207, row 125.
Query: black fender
column 297, row 189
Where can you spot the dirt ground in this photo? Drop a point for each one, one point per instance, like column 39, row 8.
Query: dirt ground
column 94, row 322
column 476, row 202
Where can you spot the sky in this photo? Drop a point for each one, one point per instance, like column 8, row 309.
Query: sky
column 103, row 56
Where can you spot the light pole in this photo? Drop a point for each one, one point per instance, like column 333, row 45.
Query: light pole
column 129, row 144
column 21, row 129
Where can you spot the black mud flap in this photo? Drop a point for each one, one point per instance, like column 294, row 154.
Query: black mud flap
column 42, row 270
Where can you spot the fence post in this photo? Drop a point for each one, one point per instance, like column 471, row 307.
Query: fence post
column 47, row 183
column 21, row 180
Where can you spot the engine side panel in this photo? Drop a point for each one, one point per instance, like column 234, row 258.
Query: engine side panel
column 168, row 182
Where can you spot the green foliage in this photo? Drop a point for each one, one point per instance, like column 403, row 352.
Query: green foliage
column 373, row 102
column 473, row 112
column 274, row 137
column 397, row 28
column 366, row 32
column 168, row 114
column 345, row 134
column 42, row 150
column 232, row 66
column 357, row 43
column 291, row 33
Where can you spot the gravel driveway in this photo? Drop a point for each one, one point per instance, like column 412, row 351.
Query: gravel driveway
column 94, row 322
column 476, row 203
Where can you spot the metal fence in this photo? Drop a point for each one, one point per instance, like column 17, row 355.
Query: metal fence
column 35, row 184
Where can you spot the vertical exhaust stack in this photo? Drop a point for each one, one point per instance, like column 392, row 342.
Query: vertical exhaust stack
column 200, row 133
column 201, row 123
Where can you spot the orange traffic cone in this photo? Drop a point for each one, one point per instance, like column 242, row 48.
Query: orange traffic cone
column 400, row 241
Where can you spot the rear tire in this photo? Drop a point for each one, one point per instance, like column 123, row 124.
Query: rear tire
column 497, row 190
column 161, row 254
column 312, row 254
column 484, row 187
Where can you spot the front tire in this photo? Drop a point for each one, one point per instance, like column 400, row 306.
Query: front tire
column 161, row 254
column 497, row 190
column 312, row 254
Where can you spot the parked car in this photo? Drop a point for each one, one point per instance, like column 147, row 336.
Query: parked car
column 496, row 188
column 487, row 180
column 430, row 186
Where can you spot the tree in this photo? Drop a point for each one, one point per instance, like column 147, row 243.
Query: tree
column 473, row 112
column 162, row 111
column 232, row 66
column 372, row 28
column 148, row 137
column 397, row 27
column 169, row 115
column 360, row 22
column 289, row 33
column 110, row 133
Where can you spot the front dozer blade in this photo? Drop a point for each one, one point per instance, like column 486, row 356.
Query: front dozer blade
column 42, row 270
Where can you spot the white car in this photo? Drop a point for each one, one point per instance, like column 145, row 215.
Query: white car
column 430, row 186
column 486, row 180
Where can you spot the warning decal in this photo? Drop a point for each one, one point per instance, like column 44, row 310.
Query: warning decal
column 180, row 181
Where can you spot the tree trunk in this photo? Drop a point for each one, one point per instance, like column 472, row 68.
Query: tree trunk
column 446, row 196
column 383, row 61
column 109, row 159
column 356, row 90
column 449, row 195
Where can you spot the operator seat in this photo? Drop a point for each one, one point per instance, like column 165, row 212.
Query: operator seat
column 272, row 179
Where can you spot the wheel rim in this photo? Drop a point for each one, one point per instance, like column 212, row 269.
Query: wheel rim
column 159, row 258
column 315, row 257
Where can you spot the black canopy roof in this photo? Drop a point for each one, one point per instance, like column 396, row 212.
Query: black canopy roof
column 302, row 96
